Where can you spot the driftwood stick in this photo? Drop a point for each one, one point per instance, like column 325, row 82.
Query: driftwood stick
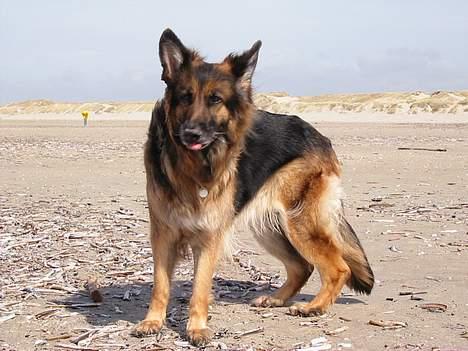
column 422, row 149
column 75, row 347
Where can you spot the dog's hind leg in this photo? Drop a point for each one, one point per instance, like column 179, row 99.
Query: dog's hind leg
column 334, row 272
column 298, row 270
column 316, row 236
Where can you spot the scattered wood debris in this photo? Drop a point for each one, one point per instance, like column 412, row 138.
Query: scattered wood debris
column 388, row 325
column 61, row 242
column 406, row 293
column 317, row 344
column 430, row 277
column 75, row 347
column 7, row 317
column 248, row 332
column 267, row 315
column 336, row 331
column 434, row 307
column 423, row 149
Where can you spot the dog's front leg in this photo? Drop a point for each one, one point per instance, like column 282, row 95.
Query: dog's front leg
column 164, row 249
column 205, row 255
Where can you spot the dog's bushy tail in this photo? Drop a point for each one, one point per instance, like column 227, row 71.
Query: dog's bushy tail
column 362, row 277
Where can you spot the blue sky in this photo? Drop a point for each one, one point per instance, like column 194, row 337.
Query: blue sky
column 80, row 50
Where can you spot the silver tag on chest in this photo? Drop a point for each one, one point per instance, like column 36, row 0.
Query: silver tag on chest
column 203, row 192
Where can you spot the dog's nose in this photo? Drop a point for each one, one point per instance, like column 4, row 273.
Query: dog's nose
column 192, row 135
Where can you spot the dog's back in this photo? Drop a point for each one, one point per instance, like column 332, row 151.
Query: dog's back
column 273, row 141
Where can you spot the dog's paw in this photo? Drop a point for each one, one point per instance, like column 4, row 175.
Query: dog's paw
column 199, row 337
column 147, row 327
column 267, row 301
column 304, row 310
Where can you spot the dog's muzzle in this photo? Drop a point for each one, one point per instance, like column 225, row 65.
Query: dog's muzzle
column 195, row 138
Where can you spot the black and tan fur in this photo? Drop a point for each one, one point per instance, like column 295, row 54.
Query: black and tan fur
column 273, row 173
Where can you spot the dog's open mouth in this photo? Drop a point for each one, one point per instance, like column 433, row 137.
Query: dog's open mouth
column 197, row 146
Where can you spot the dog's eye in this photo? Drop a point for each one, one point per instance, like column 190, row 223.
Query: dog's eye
column 214, row 99
column 186, row 98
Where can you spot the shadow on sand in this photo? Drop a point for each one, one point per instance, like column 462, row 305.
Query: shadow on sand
column 129, row 302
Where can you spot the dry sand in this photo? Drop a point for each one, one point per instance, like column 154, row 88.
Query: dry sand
column 72, row 205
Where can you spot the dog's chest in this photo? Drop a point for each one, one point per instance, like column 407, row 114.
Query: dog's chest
column 210, row 217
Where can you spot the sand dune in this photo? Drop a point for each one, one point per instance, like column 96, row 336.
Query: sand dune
column 388, row 103
column 440, row 102
column 48, row 106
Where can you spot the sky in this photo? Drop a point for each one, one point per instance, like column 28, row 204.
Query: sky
column 94, row 50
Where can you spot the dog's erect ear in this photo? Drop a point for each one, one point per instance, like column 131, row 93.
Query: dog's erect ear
column 243, row 65
column 172, row 53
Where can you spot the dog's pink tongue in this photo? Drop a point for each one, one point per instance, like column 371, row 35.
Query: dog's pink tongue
column 195, row 147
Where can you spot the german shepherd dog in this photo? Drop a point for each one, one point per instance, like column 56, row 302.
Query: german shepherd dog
column 213, row 161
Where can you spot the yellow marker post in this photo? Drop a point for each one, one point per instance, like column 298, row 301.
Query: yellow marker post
column 85, row 115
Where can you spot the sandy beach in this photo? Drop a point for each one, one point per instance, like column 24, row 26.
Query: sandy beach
column 386, row 82
column 72, row 206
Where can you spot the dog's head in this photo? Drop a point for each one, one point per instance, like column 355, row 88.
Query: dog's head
column 206, row 104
